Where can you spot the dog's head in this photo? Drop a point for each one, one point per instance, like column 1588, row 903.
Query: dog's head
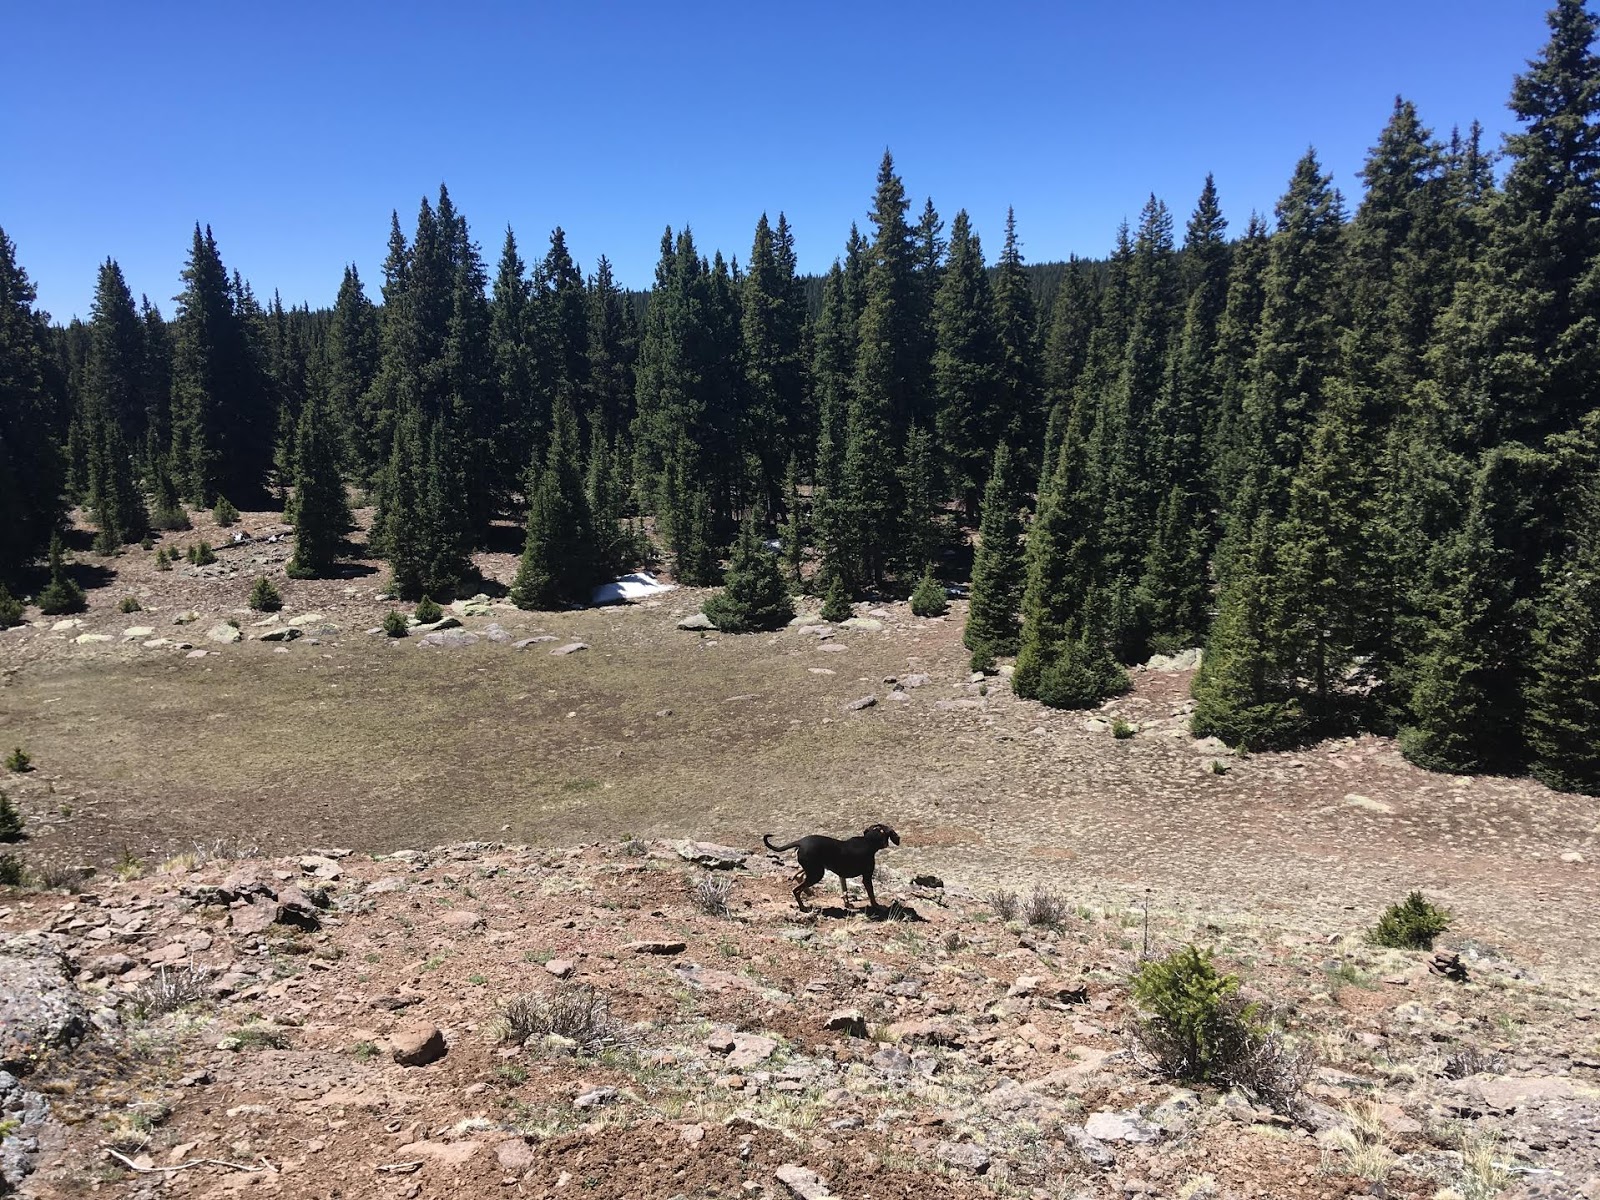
column 880, row 835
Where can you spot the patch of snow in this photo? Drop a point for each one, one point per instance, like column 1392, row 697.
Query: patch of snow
column 630, row 587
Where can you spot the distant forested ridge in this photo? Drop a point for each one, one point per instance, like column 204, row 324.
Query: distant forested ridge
column 1350, row 448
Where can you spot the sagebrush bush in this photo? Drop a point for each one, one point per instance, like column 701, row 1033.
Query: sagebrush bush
column 10, row 820
column 224, row 514
column 394, row 624
column 1044, row 908
column 570, row 1010
column 1410, row 925
column 427, row 612
column 170, row 989
column 1194, row 1026
column 1003, row 904
column 929, row 599
column 264, row 596
column 710, row 895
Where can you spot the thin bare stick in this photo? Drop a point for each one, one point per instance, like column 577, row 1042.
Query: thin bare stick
column 196, row 1162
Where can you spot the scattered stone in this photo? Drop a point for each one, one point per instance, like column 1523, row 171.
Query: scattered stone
column 86, row 639
column 65, row 624
column 134, row 632
column 915, row 681
column 515, row 1156
column 417, row 1044
column 569, row 648
column 380, row 887
column 802, row 1182
column 858, row 705
column 711, row 856
column 226, row 634
column 749, row 1049
column 892, row 1060
column 561, row 968
column 1089, row 1148
column 833, row 648
column 1356, row 800
column 533, row 641
column 927, row 881
column 451, row 639
column 656, row 947
column 462, row 920
column 1121, row 1127
column 963, row 1156
column 496, row 633
column 287, row 633
column 40, row 1008
column 696, row 621
column 596, row 1097
column 929, row 1033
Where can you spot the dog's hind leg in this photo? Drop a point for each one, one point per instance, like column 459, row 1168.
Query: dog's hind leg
column 804, row 882
column 867, row 881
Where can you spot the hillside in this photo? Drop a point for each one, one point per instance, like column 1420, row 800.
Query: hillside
column 241, row 1024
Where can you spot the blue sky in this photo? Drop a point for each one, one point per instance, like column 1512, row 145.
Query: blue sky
column 294, row 128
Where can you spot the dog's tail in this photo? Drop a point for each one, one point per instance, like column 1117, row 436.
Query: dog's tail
column 766, row 838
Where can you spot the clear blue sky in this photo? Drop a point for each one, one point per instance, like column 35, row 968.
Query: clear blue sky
column 294, row 128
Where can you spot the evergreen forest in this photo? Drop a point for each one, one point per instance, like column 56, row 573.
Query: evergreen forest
column 1351, row 448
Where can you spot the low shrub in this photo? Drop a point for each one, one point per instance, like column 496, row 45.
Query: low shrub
column 394, row 624
column 10, row 608
column 427, row 612
column 1044, row 908
column 928, row 599
column 1410, row 925
column 1003, row 904
column 10, row 820
column 709, row 893
column 202, row 555
column 264, row 596
column 1121, row 730
column 12, row 871
column 570, row 1010
column 1194, row 1026
column 19, row 761
column 170, row 989
column 983, row 660
column 224, row 514
column 130, row 604
column 163, row 561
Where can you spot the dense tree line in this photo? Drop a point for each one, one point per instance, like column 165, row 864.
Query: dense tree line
column 1350, row 450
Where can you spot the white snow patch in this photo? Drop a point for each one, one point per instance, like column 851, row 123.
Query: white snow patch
column 630, row 587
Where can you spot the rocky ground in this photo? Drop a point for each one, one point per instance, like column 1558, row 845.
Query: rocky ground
column 341, row 1024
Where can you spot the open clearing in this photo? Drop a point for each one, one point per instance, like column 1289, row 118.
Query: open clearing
column 341, row 738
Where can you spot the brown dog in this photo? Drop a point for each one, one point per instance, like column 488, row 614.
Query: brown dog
column 852, row 858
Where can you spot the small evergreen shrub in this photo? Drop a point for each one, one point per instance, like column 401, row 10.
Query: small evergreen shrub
column 1410, row 925
column 130, row 604
column 836, row 603
column 928, row 599
column 19, row 761
column 1120, row 729
column 61, row 594
column 170, row 520
column 163, row 561
column 224, row 514
column 201, row 555
column 147, row 542
column 264, row 596
column 10, row 820
column 983, row 659
column 754, row 595
column 10, row 608
column 11, row 870
column 1195, row 1027
column 427, row 612
column 394, row 625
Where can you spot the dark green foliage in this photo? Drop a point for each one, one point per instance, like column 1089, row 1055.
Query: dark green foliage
column 754, row 595
column 163, row 561
column 966, row 366
column 558, row 553
column 264, row 596
column 1564, row 695
column 32, row 470
column 113, row 412
column 1121, row 730
column 168, row 513
column 928, row 599
column 201, row 555
column 321, row 512
column 791, row 534
column 18, row 761
column 1195, row 1027
column 10, row 609
column 394, row 625
column 62, row 594
column 1412, row 924
column 998, row 569
column 12, row 872
column 836, row 602
column 10, row 820
column 427, row 612
column 130, row 604
column 224, row 513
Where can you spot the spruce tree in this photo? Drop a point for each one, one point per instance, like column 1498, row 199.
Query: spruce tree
column 998, row 568
column 928, row 598
column 1564, row 694
column 754, row 596
column 397, row 529
column 1021, row 415
column 31, row 468
column 557, row 557
column 351, row 355
column 772, row 320
column 62, row 594
column 321, row 512
column 966, row 366
column 922, row 528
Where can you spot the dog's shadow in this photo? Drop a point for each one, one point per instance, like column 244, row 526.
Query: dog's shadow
column 890, row 912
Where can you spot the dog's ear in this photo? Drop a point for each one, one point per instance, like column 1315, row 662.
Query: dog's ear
column 893, row 836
